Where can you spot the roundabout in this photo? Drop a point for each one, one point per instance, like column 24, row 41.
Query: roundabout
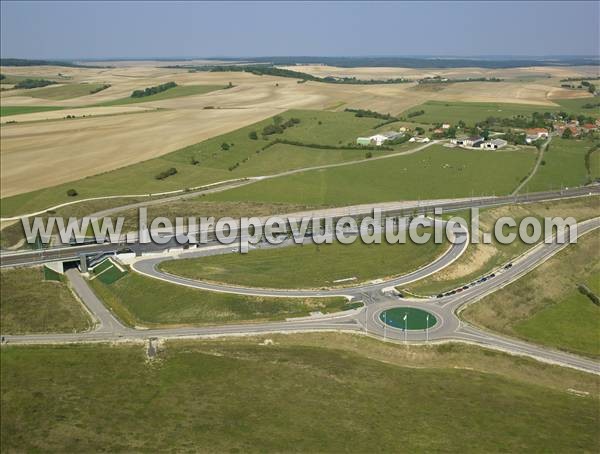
column 408, row 318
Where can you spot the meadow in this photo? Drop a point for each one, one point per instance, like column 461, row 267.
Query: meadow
column 471, row 112
column 436, row 172
column 343, row 393
column 142, row 301
column 563, row 165
column 545, row 305
column 31, row 304
column 309, row 265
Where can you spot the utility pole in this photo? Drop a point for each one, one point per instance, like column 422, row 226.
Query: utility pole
column 427, row 329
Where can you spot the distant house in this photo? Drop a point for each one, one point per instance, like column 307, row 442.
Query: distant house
column 460, row 140
column 445, row 126
column 589, row 127
column 438, row 131
column 534, row 134
column 379, row 139
column 494, row 144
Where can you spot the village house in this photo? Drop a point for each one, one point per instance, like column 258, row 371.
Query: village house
column 494, row 144
column 534, row 134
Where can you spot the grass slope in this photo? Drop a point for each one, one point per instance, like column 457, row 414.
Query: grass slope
column 309, row 265
column 436, row 172
column 176, row 92
column 545, row 307
column 238, row 396
column 139, row 300
column 480, row 258
column 28, row 304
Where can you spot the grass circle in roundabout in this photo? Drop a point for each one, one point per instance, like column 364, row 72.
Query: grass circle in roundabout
column 416, row 319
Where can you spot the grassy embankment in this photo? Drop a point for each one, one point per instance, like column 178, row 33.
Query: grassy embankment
column 31, row 304
column 240, row 396
column 545, row 306
column 480, row 259
column 142, row 301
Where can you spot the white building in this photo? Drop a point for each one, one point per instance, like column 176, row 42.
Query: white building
column 494, row 144
column 379, row 139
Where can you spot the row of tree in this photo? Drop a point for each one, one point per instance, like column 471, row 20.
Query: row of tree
column 153, row 90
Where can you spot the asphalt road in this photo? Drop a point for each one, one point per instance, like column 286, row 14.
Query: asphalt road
column 21, row 258
column 449, row 327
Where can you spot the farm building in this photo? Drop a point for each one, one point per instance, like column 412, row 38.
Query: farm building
column 472, row 142
column 379, row 139
column 494, row 144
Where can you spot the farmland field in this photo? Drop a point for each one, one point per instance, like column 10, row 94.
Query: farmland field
column 16, row 110
column 208, row 161
column 471, row 112
column 309, row 265
column 239, row 395
column 67, row 91
column 175, row 92
column 142, row 301
column 462, row 173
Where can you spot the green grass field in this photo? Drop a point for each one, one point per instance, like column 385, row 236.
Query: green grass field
column 595, row 165
column 575, row 106
column 309, row 265
column 30, row 303
column 176, row 92
column 436, row 172
column 295, row 396
column 471, row 112
column 207, row 162
column 143, row 301
column 545, row 307
column 67, row 91
column 16, row 110
column 564, row 166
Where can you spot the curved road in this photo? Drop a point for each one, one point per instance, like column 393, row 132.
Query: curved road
column 449, row 327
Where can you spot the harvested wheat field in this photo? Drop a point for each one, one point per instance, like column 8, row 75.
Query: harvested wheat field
column 43, row 149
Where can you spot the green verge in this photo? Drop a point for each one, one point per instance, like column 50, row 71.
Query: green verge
column 207, row 162
column 142, row 301
column 176, row 92
column 239, row 396
column 309, row 265
column 436, row 172
column 6, row 111
column 29, row 304
column 545, row 306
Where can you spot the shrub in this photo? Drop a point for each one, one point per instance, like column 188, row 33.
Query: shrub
column 166, row 173
column 34, row 83
column 368, row 154
column 224, row 146
column 253, row 135
column 71, row 192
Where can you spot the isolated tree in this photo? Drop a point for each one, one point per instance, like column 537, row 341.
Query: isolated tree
column 567, row 133
column 224, row 146
column 253, row 135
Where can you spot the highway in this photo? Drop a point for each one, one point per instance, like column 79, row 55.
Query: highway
column 31, row 257
column 367, row 320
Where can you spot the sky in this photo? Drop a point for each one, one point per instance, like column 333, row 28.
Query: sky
column 75, row 30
